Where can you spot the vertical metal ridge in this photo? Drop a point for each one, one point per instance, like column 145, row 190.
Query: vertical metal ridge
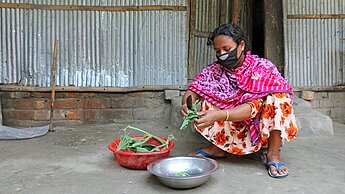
column 96, row 48
column 313, row 47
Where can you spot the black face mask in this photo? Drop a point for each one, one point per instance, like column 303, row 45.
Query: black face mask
column 229, row 60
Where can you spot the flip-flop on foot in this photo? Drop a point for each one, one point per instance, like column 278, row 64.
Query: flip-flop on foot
column 205, row 154
column 276, row 165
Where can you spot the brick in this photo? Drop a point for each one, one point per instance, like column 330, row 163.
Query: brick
column 47, row 95
column 7, row 103
column 41, row 95
column 65, row 103
column 29, row 104
column 124, row 102
column 160, row 113
column 59, row 115
column 42, row 115
column 112, row 95
column 23, row 114
column 7, row 115
column 20, row 94
column 95, row 103
column 15, row 95
column 147, row 94
column 151, row 102
column 90, row 115
column 25, row 123
column 5, row 95
column 74, row 115
column 81, row 94
column 116, row 114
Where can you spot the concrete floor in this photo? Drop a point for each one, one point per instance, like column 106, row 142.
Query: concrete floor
column 76, row 160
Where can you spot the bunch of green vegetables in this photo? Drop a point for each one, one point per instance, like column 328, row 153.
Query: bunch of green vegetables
column 191, row 114
column 181, row 174
column 141, row 144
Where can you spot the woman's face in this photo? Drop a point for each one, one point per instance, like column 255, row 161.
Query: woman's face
column 224, row 44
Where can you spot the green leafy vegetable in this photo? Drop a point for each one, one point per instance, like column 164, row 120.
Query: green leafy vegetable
column 141, row 145
column 181, row 174
column 191, row 115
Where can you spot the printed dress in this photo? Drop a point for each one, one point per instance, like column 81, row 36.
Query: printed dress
column 274, row 112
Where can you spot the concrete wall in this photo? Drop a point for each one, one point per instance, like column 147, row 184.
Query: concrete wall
column 329, row 103
column 33, row 108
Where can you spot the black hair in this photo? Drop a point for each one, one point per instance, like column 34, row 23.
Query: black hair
column 232, row 30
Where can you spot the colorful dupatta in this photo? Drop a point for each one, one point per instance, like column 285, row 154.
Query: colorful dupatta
column 256, row 78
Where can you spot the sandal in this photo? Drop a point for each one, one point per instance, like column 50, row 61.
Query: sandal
column 277, row 165
column 205, row 154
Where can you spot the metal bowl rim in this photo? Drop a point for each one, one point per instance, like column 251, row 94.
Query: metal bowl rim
column 149, row 168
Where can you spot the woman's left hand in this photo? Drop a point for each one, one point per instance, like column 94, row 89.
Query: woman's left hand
column 206, row 118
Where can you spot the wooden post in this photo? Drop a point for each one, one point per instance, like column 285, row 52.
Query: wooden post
column 53, row 85
column 235, row 12
column 191, row 45
column 223, row 7
column 273, row 37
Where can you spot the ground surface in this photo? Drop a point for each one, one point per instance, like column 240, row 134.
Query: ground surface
column 76, row 160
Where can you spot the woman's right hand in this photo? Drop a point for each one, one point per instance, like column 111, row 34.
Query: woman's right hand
column 184, row 108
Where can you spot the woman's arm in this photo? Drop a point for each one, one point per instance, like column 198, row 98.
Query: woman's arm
column 238, row 113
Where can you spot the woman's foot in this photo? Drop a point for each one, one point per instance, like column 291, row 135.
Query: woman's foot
column 211, row 151
column 282, row 170
column 276, row 168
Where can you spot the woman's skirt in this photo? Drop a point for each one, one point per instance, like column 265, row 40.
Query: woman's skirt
column 275, row 112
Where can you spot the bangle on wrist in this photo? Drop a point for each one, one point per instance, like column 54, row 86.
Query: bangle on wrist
column 227, row 115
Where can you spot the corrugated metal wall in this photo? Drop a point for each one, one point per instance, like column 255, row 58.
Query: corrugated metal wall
column 96, row 48
column 314, row 48
column 207, row 19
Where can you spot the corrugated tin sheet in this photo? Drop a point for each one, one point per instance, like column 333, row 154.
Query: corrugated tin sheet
column 207, row 15
column 96, row 48
column 102, row 2
column 204, row 54
column 207, row 19
column 314, row 48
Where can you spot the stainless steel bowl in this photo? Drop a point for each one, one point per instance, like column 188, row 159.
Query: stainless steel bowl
column 183, row 172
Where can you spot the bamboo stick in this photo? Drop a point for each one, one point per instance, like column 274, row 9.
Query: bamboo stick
column 191, row 43
column 53, row 85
